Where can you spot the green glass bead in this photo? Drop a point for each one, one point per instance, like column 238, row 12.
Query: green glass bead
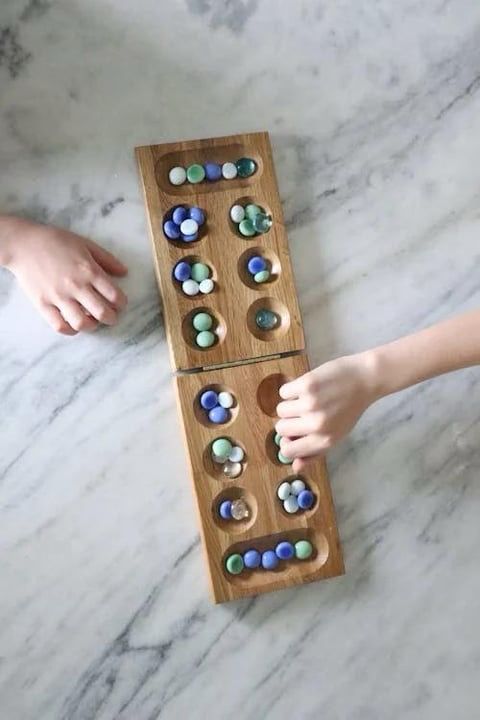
column 251, row 211
column 195, row 173
column 262, row 223
column 266, row 319
column 202, row 321
column 261, row 276
column 303, row 549
column 221, row 448
column 200, row 272
column 245, row 167
column 246, row 228
column 277, row 439
column 283, row 459
column 205, row 339
column 234, row 564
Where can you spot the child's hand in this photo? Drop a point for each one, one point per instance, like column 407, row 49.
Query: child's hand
column 65, row 275
column 322, row 406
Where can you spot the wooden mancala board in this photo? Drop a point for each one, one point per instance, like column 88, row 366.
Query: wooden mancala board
column 246, row 361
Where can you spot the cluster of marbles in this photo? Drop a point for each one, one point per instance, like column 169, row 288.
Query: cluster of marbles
column 223, row 452
column 217, row 406
column 269, row 559
column 194, row 277
column 259, row 268
column 234, row 510
column 212, row 172
column 202, row 323
column 251, row 219
column 182, row 223
column 280, row 456
column 295, row 496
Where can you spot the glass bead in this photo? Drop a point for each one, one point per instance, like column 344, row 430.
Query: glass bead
column 208, row 399
column 206, row 286
column 251, row 211
column 237, row 213
column 262, row 223
column 177, row 175
column 202, row 321
column 222, row 447
column 246, row 167
column 240, row 509
column 232, row 469
column 234, row 564
column 213, row 171
column 229, row 170
column 252, row 559
column 266, row 319
column 200, row 271
column 262, row 276
column 205, row 339
column 246, row 228
column 303, row 549
column 195, row 173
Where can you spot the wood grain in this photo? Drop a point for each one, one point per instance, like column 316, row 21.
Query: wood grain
column 235, row 298
column 255, row 387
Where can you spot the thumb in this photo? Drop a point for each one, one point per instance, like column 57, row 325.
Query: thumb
column 111, row 264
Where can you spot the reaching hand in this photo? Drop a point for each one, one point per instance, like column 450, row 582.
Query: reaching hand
column 66, row 276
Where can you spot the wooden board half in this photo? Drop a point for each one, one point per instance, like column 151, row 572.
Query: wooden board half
column 236, row 297
column 255, row 388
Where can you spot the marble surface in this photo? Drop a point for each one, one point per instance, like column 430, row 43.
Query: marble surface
column 373, row 110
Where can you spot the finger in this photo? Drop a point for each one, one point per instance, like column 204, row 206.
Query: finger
column 299, row 464
column 292, row 389
column 106, row 260
column 54, row 318
column 97, row 306
column 304, row 447
column 75, row 316
column 109, row 290
column 289, row 408
column 297, row 426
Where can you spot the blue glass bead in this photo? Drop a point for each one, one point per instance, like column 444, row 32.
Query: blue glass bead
column 252, row 559
column 208, row 399
column 190, row 238
column 179, row 214
column 305, row 499
column 197, row 214
column 171, row 230
column 225, row 510
column 182, row 271
column 285, row 551
column 256, row 264
column 269, row 560
column 213, row 171
column 218, row 415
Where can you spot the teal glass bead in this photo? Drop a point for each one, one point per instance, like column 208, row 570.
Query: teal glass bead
column 205, row 339
column 200, row 272
column 245, row 167
column 266, row 319
column 222, row 447
column 283, row 458
column 261, row 276
column 251, row 211
column 202, row 321
column 195, row 173
column 277, row 439
column 262, row 223
column 246, row 228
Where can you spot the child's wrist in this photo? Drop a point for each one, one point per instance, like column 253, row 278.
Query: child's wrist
column 9, row 231
column 374, row 375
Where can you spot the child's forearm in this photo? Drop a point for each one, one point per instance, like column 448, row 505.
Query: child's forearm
column 451, row 345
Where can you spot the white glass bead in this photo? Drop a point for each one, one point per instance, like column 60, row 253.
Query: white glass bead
column 232, row 469
column 291, row 504
column 284, row 491
column 240, row 509
column 237, row 213
column 190, row 287
column 189, row 227
column 236, row 455
column 297, row 487
column 225, row 399
column 229, row 170
column 177, row 176
column 206, row 286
